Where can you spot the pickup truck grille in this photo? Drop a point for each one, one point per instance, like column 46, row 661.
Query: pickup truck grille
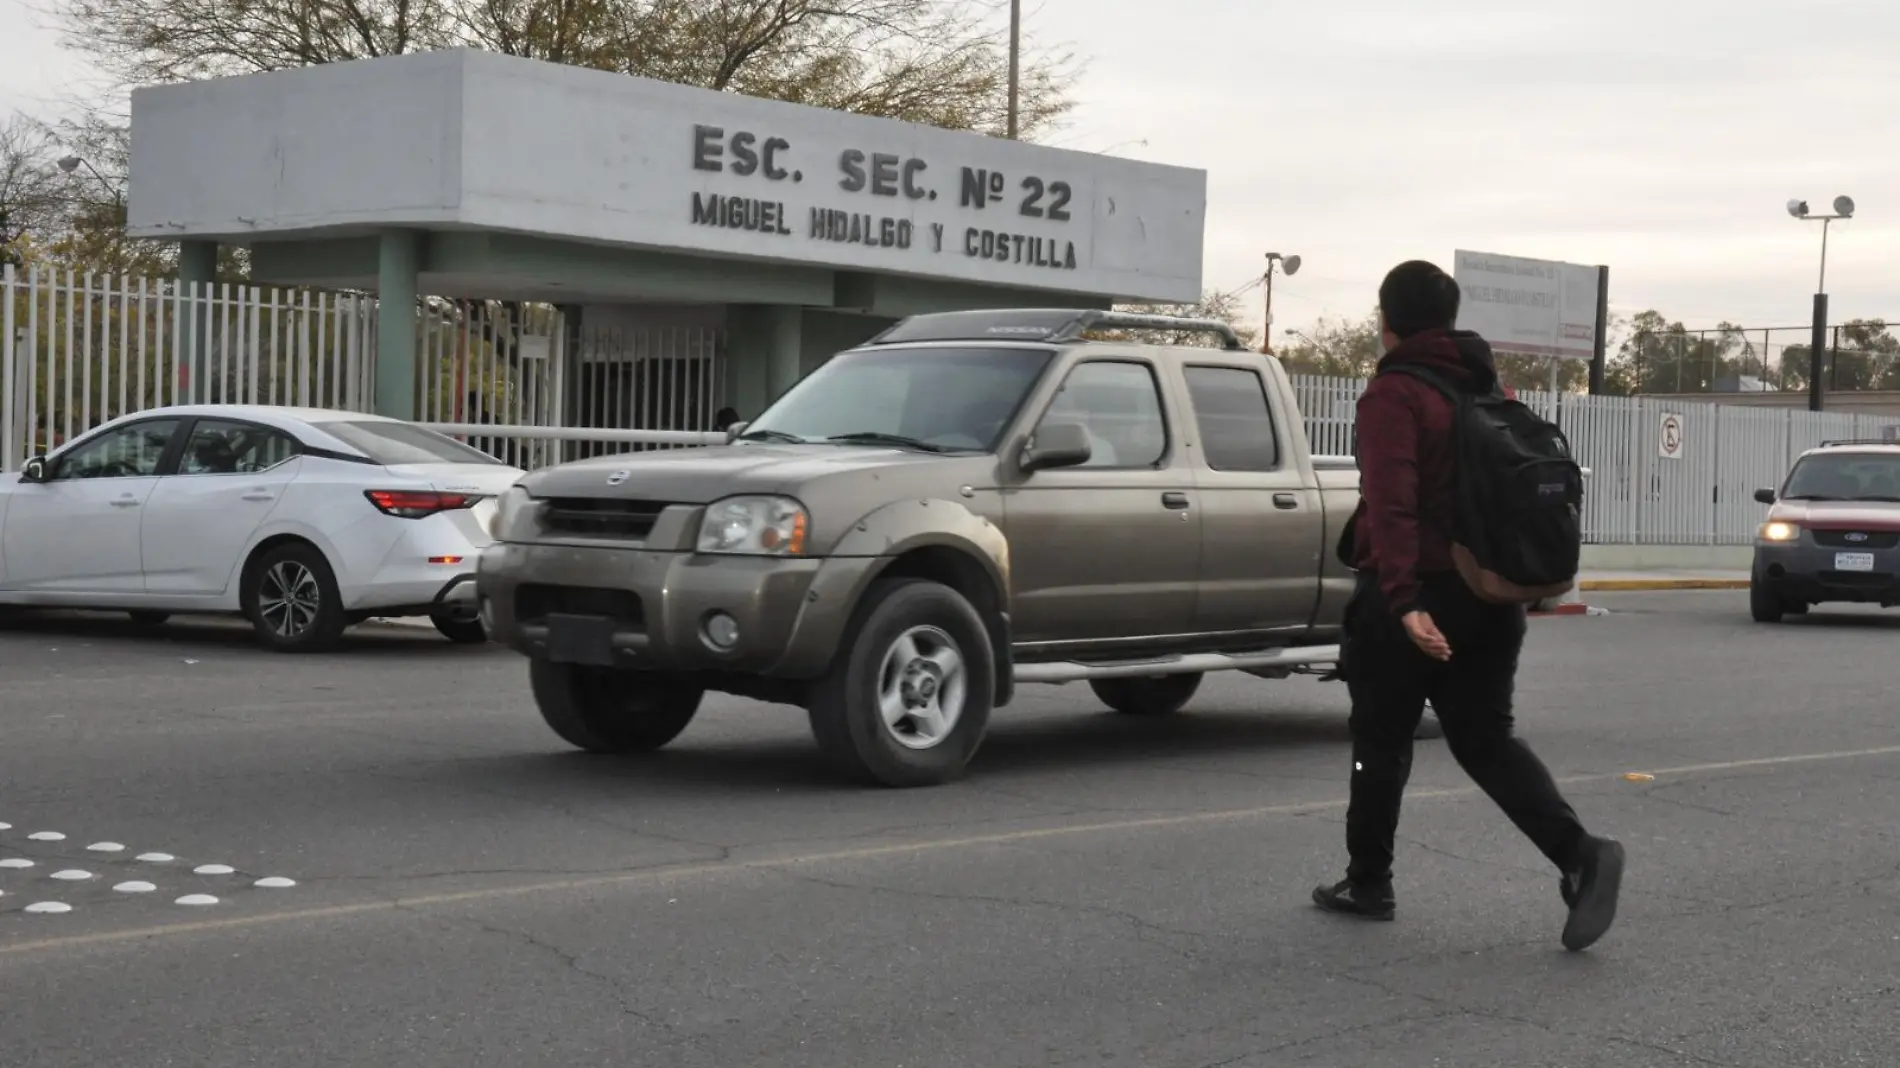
column 535, row 601
column 601, row 517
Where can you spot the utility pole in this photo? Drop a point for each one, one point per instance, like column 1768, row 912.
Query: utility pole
column 1015, row 62
column 1291, row 265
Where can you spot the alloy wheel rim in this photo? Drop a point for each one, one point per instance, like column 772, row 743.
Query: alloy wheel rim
column 289, row 599
column 923, row 685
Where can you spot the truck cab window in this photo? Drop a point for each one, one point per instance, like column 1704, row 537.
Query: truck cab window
column 1119, row 404
column 1230, row 407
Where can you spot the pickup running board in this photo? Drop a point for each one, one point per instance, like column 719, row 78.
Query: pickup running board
column 1187, row 664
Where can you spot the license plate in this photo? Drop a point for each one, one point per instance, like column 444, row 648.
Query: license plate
column 581, row 640
column 1853, row 561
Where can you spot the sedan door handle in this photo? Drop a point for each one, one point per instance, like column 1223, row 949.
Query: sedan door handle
column 1174, row 500
column 260, row 495
column 1285, row 501
column 126, row 502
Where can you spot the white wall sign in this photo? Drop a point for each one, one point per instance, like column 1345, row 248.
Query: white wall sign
column 475, row 140
column 1529, row 307
column 1669, row 440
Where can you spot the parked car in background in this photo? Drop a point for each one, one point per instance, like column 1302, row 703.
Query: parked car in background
column 305, row 521
column 1832, row 533
column 967, row 503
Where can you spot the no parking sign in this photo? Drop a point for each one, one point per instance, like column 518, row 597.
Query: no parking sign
column 1669, row 440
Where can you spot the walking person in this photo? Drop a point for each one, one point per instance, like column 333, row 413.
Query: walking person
column 1417, row 630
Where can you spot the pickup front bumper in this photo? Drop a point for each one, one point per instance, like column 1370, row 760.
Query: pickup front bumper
column 669, row 611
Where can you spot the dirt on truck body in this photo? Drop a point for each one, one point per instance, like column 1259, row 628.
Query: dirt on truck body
column 966, row 503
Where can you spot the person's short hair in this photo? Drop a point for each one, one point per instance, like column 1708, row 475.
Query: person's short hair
column 1417, row 296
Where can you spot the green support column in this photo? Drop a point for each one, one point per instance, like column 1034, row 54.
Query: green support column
column 197, row 270
column 764, row 346
column 398, row 263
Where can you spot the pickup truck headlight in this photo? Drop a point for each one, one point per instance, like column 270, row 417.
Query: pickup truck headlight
column 507, row 507
column 754, row 526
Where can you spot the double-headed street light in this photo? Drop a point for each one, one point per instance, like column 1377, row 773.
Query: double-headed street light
column 1817, row 341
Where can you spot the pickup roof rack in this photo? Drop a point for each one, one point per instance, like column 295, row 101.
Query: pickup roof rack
column 1858, row 441
column 1061, row 325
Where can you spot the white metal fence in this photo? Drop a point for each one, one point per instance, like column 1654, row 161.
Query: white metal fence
column 1701, row 492
column 78, row 349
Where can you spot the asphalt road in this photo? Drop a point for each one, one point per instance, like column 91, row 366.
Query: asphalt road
column 1100, row 892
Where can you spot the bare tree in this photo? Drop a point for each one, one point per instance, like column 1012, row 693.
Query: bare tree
column 941, row 62
column 33, row 199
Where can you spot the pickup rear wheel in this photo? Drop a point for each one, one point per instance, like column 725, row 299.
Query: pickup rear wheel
column 908, row 697
column 1158, row 695
column 606, row 711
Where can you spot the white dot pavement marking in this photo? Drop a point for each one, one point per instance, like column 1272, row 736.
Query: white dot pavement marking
column 6, row 826
column 197, row 900
column 156, row 858
column 49, row 906
column 135, row 887
column 214, row 869
column 275, row 882
column 16, row 862
column 47, row 836
column 105, row 847
column 72, row 875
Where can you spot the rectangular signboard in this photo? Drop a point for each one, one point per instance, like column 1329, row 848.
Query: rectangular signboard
column 1529, row 307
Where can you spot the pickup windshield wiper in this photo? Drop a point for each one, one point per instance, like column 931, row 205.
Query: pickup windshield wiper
column 768, row 434
column 1809, row 497
column 873, row 437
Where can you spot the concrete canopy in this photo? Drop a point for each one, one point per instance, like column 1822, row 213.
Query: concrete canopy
column 542, row 181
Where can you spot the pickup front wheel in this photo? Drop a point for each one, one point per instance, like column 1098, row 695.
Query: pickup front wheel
column 908, row 697
column 606, row 711
column 1159, row 695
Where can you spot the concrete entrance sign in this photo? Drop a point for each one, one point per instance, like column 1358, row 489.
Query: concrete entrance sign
column 479, row 176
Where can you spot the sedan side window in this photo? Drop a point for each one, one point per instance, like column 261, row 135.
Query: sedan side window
column 1119, row 404
column 218, row 447
column 129, row 452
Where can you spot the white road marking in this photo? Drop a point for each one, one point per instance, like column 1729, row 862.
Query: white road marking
column 735, row 866
column 49, row 906
column 135, row 887
column 197, row 900
column 275, row 882
column 214, row 869
column 47, row 836
column 156, row 858
column 105, row 847
column 16, row 862
column 72, row 875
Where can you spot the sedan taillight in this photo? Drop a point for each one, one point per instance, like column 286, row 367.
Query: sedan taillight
column 418, row 504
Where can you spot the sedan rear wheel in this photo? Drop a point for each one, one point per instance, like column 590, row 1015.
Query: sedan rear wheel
column 290, row 596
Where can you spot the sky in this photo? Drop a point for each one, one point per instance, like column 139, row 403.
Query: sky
column 1659, row 137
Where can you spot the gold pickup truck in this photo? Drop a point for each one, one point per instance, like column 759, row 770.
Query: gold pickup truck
column 966, row 503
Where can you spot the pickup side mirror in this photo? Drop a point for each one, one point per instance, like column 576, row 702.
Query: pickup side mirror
column 1764, row 496
column 34, row 470
column 733, row 431
column 1056, row 445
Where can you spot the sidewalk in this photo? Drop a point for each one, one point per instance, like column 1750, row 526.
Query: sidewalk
column 1627, row 581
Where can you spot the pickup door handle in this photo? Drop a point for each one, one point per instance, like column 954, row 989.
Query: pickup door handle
column 125, row 502
column 260, row 495
column 1285, row 501
column 1173, row 499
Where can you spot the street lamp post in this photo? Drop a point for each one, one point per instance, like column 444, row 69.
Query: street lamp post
column 1817, row 339
column 1291, row 265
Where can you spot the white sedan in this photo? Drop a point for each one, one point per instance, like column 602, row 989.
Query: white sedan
column 302, row 520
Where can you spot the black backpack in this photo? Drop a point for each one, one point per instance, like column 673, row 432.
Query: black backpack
column 1517, row 513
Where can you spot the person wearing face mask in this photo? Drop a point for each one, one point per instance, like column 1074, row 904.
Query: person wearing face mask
column 1415, row 631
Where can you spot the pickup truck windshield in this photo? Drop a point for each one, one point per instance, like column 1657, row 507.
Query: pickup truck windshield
column 1846, row 477
column 938, row 398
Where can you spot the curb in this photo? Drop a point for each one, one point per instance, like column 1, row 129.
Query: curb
column 1655, row 584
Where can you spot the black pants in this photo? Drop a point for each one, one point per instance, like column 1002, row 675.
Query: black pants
column 1390, row 680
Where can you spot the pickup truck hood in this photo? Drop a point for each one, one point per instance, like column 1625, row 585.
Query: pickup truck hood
column 705, row 474
column 1839, row 515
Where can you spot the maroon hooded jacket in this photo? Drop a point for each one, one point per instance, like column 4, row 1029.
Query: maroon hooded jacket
column 1406, row 462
